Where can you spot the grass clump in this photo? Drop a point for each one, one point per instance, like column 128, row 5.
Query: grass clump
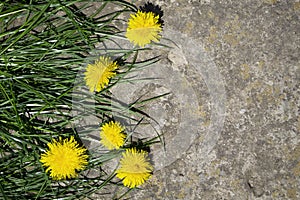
column 44, row 46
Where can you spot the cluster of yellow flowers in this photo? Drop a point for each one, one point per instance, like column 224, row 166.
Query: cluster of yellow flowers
column 65, row 157
column 144, row 27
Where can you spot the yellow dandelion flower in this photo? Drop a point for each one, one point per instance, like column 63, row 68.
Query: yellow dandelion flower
column 135, row 168
column 143, row 27
column 97, row 75
column 64, row 158
column 112, row 136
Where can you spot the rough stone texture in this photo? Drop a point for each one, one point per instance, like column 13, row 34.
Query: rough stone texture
column 232, row 119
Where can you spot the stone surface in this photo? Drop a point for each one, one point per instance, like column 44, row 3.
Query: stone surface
column 232, row 119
